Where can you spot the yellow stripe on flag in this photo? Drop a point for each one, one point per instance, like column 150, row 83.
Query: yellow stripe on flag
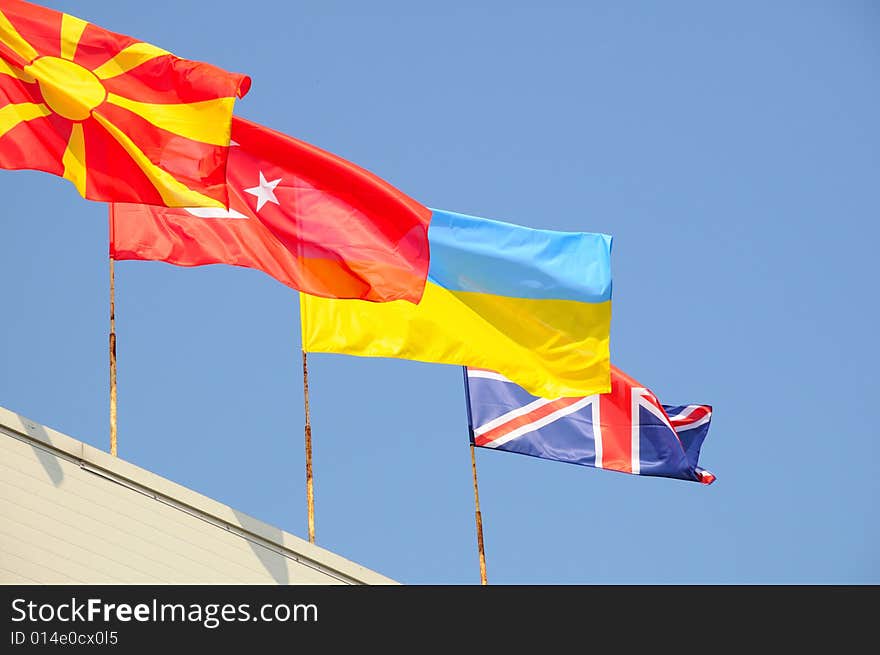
column 71, row 32
column 551, row 348
column 12, row 115
column 10, row 36
column 74, row 159
column 173, row 192
column 195, row 120
column 131, row 57
column 8, row 69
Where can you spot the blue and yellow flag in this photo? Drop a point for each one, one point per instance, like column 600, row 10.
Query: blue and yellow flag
column 533, row 305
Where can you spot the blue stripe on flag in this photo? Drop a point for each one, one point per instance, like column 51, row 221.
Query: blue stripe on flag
column 469, row 253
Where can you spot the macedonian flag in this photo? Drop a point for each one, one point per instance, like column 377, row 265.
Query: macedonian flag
column 121, row 119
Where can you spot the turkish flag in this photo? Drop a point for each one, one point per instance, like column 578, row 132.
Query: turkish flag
column 308, row 218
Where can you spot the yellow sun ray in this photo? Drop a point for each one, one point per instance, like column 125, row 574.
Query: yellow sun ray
column 8, row 69
column 194, row 120
column 10, row 36
column 12, row 115
column 71, row 32
column 173, row 192
column 74, row 159
column 128, row 58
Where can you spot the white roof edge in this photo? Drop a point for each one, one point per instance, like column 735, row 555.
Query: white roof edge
column 141, row 480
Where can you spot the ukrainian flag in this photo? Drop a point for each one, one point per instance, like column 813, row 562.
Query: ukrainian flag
column 533, row 305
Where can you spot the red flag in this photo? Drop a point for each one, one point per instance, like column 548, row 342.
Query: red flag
column 121, row 119
column 308, row 218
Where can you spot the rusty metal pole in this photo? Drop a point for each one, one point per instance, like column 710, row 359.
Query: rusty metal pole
column 479, row 518
column 112, row 359
column 310, row 489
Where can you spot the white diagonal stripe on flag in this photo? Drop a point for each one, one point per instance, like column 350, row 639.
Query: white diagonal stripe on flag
column 687, row 411
column 694, row 424
column 689, row 417
column 656, row 410
column 509, row 416
column 536, row 425
column 488, row 375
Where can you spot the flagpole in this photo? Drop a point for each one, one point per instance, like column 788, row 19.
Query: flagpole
column 479, row 517
column 112, row 345
column 310, row 489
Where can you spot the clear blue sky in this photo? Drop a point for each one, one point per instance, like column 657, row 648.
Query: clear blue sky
column 731, row 149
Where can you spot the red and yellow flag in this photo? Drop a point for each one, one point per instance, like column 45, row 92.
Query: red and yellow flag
column 123, row 120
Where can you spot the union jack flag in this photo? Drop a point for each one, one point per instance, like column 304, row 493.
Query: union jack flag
column 626, row 430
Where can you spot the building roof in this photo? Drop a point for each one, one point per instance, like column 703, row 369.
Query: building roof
column 73, row 514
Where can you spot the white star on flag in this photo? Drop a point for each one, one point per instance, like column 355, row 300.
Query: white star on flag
column 264, row 191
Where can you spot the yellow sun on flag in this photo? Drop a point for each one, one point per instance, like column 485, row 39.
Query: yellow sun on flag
column 121, row 119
